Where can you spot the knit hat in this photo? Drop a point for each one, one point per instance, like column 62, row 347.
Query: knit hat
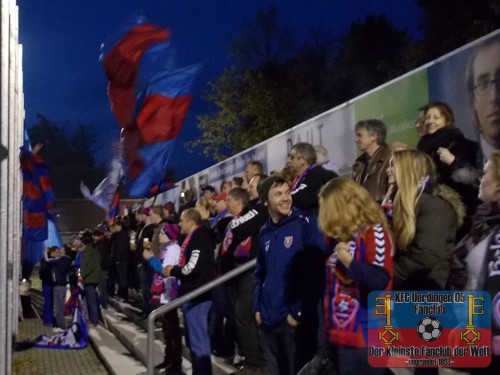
column 171, row 230
column 266, row 185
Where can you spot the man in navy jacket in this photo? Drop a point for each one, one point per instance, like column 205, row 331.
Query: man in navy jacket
column 282, row 281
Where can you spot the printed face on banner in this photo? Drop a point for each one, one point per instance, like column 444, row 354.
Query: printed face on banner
column 488, row 189
column 486, row 92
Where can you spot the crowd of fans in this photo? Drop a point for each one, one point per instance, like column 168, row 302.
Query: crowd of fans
column 407, row 219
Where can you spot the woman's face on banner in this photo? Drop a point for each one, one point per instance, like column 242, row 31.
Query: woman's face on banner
column 486, row 101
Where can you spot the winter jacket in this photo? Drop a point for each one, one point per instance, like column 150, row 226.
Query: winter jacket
column 374, row 179
column 426, row 263
column 284, row 273
column 462, row 174
column 90, row 268
column 60, row 270
column 305, row 193
column 346, row 296
column 199, row 263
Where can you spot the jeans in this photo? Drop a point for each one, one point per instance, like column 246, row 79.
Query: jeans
column 59, row 293
column 279, row 347
column 196, row 320
column 48, row 304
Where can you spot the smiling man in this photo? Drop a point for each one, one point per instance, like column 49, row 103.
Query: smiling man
column 283, row 289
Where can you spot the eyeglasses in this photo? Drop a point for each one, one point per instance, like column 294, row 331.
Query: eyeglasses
column 483, row 85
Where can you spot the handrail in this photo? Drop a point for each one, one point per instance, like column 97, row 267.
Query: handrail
column 180, row 301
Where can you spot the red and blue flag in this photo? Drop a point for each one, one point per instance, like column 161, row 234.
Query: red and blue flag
column 150, row 98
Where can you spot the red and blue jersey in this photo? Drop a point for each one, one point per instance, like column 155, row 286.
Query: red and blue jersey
column 346, row 293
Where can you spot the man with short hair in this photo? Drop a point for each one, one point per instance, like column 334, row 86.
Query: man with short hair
column 282, row 275
column 239, row 246
column 254, row 167
column 195, row 269
column 309, row 177
column 370, row 168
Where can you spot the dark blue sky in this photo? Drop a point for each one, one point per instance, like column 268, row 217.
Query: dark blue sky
column 64, row 80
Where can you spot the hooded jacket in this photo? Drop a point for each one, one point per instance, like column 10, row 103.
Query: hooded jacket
column 426, row 263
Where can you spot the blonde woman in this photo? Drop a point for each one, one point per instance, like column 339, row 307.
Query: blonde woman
column 426, row 216
column 361, row 262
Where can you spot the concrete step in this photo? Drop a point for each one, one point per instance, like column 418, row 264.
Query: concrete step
column 114, row 355
column 134, row 338
column 219, row 367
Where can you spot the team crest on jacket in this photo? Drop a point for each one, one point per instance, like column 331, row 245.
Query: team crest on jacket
column 288, row 241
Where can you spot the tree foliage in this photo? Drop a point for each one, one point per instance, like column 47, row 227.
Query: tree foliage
column 70, row 156
column 275, row 83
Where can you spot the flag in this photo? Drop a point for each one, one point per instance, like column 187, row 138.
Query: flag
column 161, row 187
column 77, row 336
column 166, row 104
column 104, row 193
column 154, row 160
column 113, row 209
column 38, row 196
column 150, row 98
column 121, row 65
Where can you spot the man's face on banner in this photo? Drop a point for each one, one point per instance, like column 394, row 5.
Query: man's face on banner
column 486, row 94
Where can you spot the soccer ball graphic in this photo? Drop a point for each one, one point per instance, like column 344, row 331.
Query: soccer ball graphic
column 429, row 328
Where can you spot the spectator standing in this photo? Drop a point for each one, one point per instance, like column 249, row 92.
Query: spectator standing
column 454, row 155
column 90, row 270
column 60, row 268
column 239, row 246
column 309, row 177
column 196, row 265
column 253, row 168
column 282, row 287
column 361, row 263
column 47, row 287
column 426, row 216
column 120, row 252
column 370, row 168
column 169, row 256
column 103, row 242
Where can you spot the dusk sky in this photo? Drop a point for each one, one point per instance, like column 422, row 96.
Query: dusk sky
column 64, row 80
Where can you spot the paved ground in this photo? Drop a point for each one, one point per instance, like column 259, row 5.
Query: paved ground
column 37, row 361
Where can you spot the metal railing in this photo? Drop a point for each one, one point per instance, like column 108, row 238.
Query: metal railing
column 182, row 300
